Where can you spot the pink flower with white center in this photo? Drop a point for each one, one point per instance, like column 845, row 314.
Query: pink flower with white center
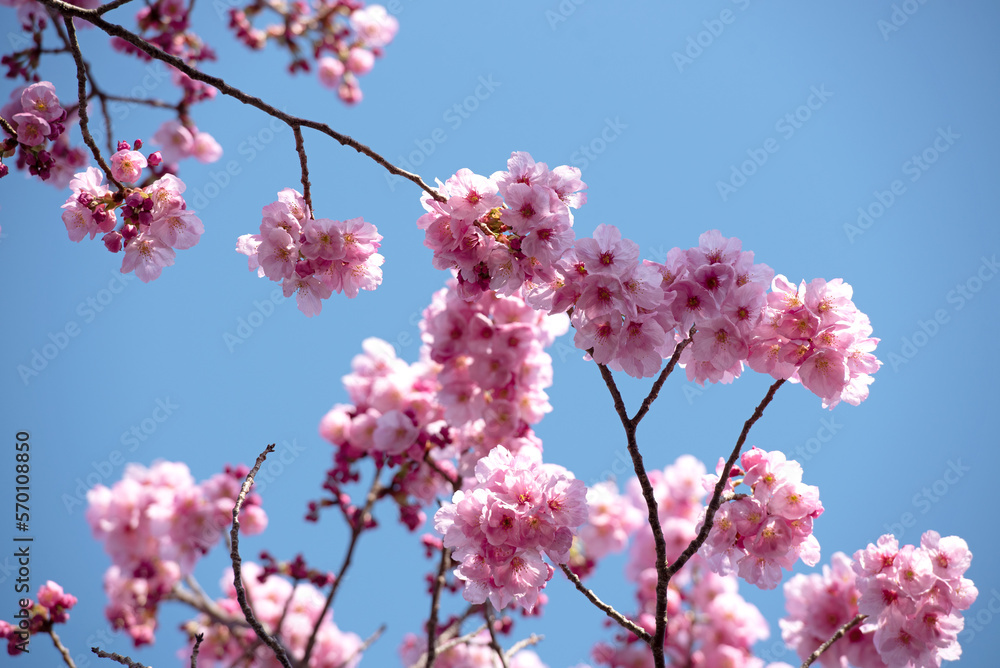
column 205, row 149
column 330, row 70
column 638, row 348
column 713, row 248
column 528, row 207
column 177, row 141
column 127, row 166
column 147, row 256
column 374, row 25
column 166, row 193
column 79, row 221
column 794, row 501
column 601, row 334
column 178, row 229
column 32, row 130
column 470, row 195
column 40, row 99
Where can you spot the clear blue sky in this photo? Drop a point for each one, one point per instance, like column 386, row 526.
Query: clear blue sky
column 904, row 115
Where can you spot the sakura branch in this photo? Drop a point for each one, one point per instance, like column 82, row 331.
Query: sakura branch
column 241, row 595
column 115, row 30
column 841, row 632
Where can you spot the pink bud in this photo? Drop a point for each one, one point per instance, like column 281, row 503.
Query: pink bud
column 154, row 159
column 113, row 241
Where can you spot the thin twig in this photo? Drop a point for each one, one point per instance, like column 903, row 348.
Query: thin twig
column 81, row 80
column 241, row 595
column 369, row 641
column 114, row 4
column 62, row 648
column 197, row 648
column 533, row 639
column 124, row 660
column 488, row 613
column 622, row 620
column 841, row 632
column 300, row 148
column 359, row 526
column 115, row 30
column 435, row 606
column 654, row 391
column 716, row 501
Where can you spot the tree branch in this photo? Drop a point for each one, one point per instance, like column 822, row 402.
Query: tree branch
column 840, row 633
column 241, row 595
column 622, row 620
column 435, row 606
column 115, row 30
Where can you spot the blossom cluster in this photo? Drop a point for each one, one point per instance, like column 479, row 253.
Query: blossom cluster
column 313, row 258
column 155, row 218
column 815, row 334
column 396, row 418
column 493, row 368
column 40, row 140
column 166, row 24
column 352, row 34
column 52, row 608
column 503, row 231
column 818, row 605
column 290, row 611
column 758, row 534
column 501, row 524
column 708, row 622
column 476, row 652
column 913, row 597
column 155, row 524
column 184, row 140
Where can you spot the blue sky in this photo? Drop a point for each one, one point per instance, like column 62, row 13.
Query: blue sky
column 852, row 139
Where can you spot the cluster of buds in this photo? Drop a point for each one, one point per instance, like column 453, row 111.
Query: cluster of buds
column 36, row 123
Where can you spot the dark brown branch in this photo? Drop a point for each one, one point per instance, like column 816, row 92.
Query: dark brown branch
column 241, row 595
column 841, row 632
column 197, row 648
column 300, row 148
column 435, row 606
column 488, row 614
column 124, row 660
column 654, row 391
column 114, row 4
column 115, row 30
column 356, row 529
column 716, row 501
column 81, row 79
column 622, row 620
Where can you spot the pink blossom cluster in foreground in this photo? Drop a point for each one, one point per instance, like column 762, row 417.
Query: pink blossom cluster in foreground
column 913, row 597
column 155, row 524
column 40, row 140
column 500, row 526
column 52, row 607
column 512, row 233
column 758, row 534
column 480, row 382
column 276, row 604
column 493, row 368
column 155, row 219
column 352, row 35
column 313, row 258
